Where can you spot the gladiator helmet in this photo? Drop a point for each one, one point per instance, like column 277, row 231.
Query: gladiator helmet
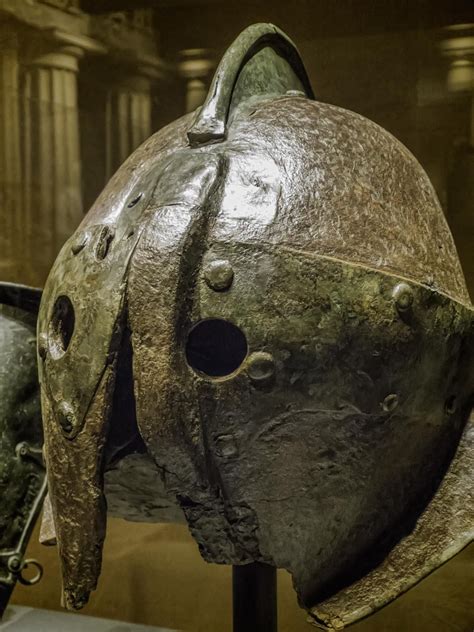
column 263, row 317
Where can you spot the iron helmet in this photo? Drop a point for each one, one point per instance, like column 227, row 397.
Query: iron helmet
column 22, row 471
column 264, row 310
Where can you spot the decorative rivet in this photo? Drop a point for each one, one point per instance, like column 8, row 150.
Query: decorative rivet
column 22, row 449
column 390, row 402
column 225, row 446
column 260, row 366
column 403, row 296
column 66, row 417
column 295, row 93
column 43, row 346
column 103, row 244
column 219, row 274
column 80, row 242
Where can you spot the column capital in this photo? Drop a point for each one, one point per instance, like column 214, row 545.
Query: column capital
column 458, row 46
column 151, row 67
column 195, row 63
column 83, row 42
column 458, row 41
column 194, row 66
column 60, row 49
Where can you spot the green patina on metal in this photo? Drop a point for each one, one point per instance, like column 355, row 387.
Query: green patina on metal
column 22, row 472
column 265, row 315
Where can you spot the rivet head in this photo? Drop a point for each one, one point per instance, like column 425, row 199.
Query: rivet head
column 261, row 367
column 403, row 296
column 225, row 446
column 66, row 417
column 219, row 275
column 43, row 346
column 80, row 242
column 295, row 93
column 390, row 402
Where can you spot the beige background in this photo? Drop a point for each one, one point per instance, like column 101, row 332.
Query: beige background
column 80, row 89
column 154, row 574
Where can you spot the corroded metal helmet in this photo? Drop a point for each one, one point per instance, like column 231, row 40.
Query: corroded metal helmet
column 22, row 472
column 265, row 306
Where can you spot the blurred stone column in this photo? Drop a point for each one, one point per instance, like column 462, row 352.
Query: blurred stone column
column 128, row 115
column 458, row 47
column 52, row 166
column 195, row 66
column 10, row 166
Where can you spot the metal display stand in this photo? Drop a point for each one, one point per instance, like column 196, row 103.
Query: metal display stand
column 254, row 591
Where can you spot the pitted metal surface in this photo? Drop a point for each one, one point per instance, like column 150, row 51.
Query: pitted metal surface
column 22, row 472
column 271, row 318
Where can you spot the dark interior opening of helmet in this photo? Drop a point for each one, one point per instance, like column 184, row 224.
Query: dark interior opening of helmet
column 215, row 347
column 61, row 326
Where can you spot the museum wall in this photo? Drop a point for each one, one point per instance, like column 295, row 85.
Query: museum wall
column 80, row 89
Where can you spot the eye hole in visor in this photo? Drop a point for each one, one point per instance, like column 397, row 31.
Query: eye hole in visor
column 215, row 347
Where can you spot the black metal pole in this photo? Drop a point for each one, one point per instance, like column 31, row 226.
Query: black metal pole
column 254, row 598
column 5, row 594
